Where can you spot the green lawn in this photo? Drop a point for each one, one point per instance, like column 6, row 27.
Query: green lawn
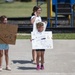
column 55, row 36
column 19, row 9
column 64, row 36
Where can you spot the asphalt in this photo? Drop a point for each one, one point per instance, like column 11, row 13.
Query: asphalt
column 58, row 61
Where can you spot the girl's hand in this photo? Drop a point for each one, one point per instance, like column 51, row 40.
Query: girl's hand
column 30, row 40
column 35, row 14
column 45, row 22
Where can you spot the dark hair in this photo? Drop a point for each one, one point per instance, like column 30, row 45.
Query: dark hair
column 35, row 8
column 2, row 18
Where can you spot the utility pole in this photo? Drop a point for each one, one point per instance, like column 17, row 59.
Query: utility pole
column 49, row 12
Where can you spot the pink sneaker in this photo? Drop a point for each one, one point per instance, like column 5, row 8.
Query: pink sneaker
column 42, row 68
column 38, row 67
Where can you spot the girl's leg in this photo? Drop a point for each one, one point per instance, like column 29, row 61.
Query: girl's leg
column 42, row 59
column 1, row 55
column 6, row 57
column 37, row 58
column 7, row 60
column 34, row 56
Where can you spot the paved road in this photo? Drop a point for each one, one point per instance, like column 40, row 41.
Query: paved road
column 59, row 61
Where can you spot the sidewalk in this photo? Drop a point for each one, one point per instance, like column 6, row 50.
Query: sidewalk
column 59, row 61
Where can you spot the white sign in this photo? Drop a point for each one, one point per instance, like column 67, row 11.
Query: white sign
column 42, row 40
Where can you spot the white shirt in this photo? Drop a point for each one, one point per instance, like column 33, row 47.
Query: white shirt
column 38, row 19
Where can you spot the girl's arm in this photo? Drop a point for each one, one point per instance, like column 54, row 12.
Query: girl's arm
column 30, row 38
column 33, row 18
column 45, row 25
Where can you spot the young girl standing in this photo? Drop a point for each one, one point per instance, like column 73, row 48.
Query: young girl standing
column 35, row 19
column 40, row 26
column 4, row 47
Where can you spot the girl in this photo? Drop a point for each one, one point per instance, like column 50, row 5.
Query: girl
column 34, row 19
column 40, row 52
column 4, row 47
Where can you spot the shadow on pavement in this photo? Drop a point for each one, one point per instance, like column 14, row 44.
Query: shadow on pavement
column 21, row 61
column 27, row 68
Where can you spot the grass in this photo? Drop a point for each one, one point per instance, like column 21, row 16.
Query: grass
column 69, row 36
column 19, row 9
column 64, row 36
column 23, row 36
